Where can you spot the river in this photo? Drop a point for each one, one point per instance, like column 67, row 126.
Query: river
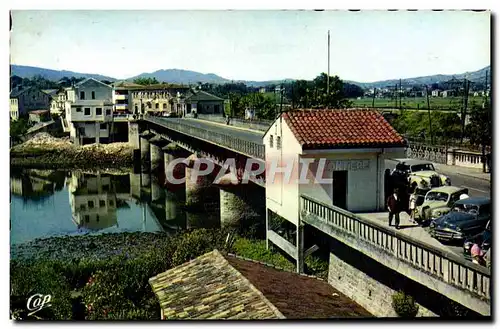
column 55, row 203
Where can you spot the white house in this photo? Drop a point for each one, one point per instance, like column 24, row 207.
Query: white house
column 89, row 111
column 351, row 145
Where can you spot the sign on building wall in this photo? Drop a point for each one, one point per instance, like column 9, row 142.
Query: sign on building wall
column 349, row 165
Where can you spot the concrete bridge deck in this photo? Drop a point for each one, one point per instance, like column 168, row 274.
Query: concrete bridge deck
column 253, row 136
column 410, row 229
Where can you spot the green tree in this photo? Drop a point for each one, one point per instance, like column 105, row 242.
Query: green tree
column 479, row 130
column 146, row 81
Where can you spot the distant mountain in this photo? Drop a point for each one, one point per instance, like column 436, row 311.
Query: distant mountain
column 192, row 77
column 55, row 75
column 475, row 76
column 182, row 77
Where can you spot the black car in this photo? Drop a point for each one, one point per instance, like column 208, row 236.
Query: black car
column 483, row 239
column 468, row 217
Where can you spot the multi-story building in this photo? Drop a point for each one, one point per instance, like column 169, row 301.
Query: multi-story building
column 58, row 102
column 89, row 111
column 23, row 101
column 198, row 102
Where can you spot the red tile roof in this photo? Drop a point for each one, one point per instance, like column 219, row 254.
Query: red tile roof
column 322, row 128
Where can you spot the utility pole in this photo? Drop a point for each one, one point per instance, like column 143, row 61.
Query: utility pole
column 328, row 75
column 429, row 112
column 464, row 109
column 281, row 101
column 373, row 101
column 400, row 90
column 396, row 95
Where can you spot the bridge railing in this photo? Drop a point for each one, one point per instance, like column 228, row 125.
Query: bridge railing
column 239, row 145
column 446, row 266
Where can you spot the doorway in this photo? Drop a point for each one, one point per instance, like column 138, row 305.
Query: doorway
column 339, row 189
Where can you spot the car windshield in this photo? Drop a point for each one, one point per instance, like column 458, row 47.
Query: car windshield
column 436, row 196
column 469, row 208
column 422, row 167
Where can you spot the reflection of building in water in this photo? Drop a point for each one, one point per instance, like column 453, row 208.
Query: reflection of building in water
column 34, row 184
column 93, row 200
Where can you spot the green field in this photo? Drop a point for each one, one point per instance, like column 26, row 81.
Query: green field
column 441, row 103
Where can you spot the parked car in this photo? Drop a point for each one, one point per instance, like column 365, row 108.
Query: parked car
column 421, row 173
column 467, row 218
column 438, row 202
column 483, row 239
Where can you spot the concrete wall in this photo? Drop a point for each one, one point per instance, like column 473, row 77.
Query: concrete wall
column 374, row 296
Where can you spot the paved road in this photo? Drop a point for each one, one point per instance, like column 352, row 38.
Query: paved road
column 476, row 186
column 249, row 135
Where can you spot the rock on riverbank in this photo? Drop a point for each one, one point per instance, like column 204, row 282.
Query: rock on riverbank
column 46, row 151
column 69, row 248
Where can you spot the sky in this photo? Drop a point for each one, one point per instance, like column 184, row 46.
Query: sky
column 254, row 45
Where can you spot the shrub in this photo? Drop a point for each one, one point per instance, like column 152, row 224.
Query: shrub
column 40, row 278
column 256, row 249
column 404, row 305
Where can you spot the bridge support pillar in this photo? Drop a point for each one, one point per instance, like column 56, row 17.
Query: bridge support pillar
column 135, row 185
column 145, row 179
column 133, row 135
column 171, row 152
column 156, row 190
column 236, row 210
column 198, row 187
column 300, row 248
column 145, row 147
column 156, row 152
column 172, row 201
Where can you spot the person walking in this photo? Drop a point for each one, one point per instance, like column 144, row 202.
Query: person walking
column 413, row 205
column 394, row 206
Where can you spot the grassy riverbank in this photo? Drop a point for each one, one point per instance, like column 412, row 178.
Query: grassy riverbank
column 106, row 277
column 46, row 152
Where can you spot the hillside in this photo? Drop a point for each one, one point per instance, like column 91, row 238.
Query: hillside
column 191, row 77
column 475, row 76
column 55, row 75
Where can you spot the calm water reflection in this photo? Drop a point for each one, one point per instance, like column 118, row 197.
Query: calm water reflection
column 47, row 203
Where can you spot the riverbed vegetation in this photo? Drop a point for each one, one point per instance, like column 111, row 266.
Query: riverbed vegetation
column 106, row 277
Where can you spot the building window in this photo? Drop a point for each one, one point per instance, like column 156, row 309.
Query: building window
column 97, row 218
column 82, row 95
column 157, row 106
column 278, row 142
column 108, row 112
column 102, row 203
column 105, row 187
column 164, row 105
column 90, row 204
column 78, row 109
column 271, row 142
column 136, row 108
column 87, row 218
column 87, row 111
column 104, row 126
column 111, row 203
column 98, row 111
column 93, row 95
column 82, row 207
